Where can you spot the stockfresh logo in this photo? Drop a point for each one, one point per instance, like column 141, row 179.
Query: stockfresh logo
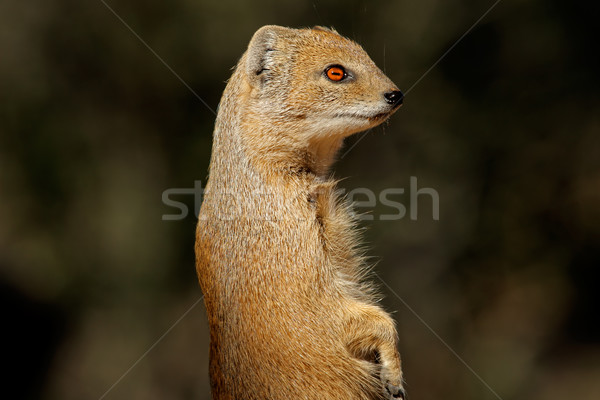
column 389, row 204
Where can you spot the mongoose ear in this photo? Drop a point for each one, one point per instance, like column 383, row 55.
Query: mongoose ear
column 258, row 56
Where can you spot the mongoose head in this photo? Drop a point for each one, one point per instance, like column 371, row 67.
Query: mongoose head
column 315, row 82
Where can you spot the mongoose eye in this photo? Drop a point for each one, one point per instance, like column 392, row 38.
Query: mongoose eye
column 336, row 73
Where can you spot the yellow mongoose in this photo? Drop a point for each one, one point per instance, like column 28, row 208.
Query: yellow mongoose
column 276, row 250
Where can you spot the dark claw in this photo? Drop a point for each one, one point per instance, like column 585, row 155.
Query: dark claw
column 395, row 392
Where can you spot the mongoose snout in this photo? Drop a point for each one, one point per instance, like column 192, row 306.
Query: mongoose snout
column 395, row 97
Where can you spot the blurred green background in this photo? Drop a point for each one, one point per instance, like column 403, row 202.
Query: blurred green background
column 506, row 128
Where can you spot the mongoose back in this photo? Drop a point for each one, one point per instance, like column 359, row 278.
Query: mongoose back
column 277, row 256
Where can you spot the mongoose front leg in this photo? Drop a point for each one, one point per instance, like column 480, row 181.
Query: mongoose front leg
column 372, row 337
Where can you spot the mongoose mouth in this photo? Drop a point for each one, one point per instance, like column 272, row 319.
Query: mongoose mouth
column 397, row 103
column 373, row 118
column 380, row 116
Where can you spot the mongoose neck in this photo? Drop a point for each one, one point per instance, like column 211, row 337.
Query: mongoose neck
column 252, row 139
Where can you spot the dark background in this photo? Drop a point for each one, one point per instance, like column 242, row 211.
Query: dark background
column 94, row 127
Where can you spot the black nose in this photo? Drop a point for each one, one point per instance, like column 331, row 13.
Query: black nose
column 394, row 97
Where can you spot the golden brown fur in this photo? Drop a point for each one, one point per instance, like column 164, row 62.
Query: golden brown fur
column 290, row 316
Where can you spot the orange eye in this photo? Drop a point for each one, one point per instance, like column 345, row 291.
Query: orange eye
column 336, row 73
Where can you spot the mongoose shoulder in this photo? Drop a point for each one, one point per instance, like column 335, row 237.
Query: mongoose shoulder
column 290, row 313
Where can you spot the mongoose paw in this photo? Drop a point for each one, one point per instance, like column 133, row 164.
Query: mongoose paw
column 394, row 392
column 392, row 383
